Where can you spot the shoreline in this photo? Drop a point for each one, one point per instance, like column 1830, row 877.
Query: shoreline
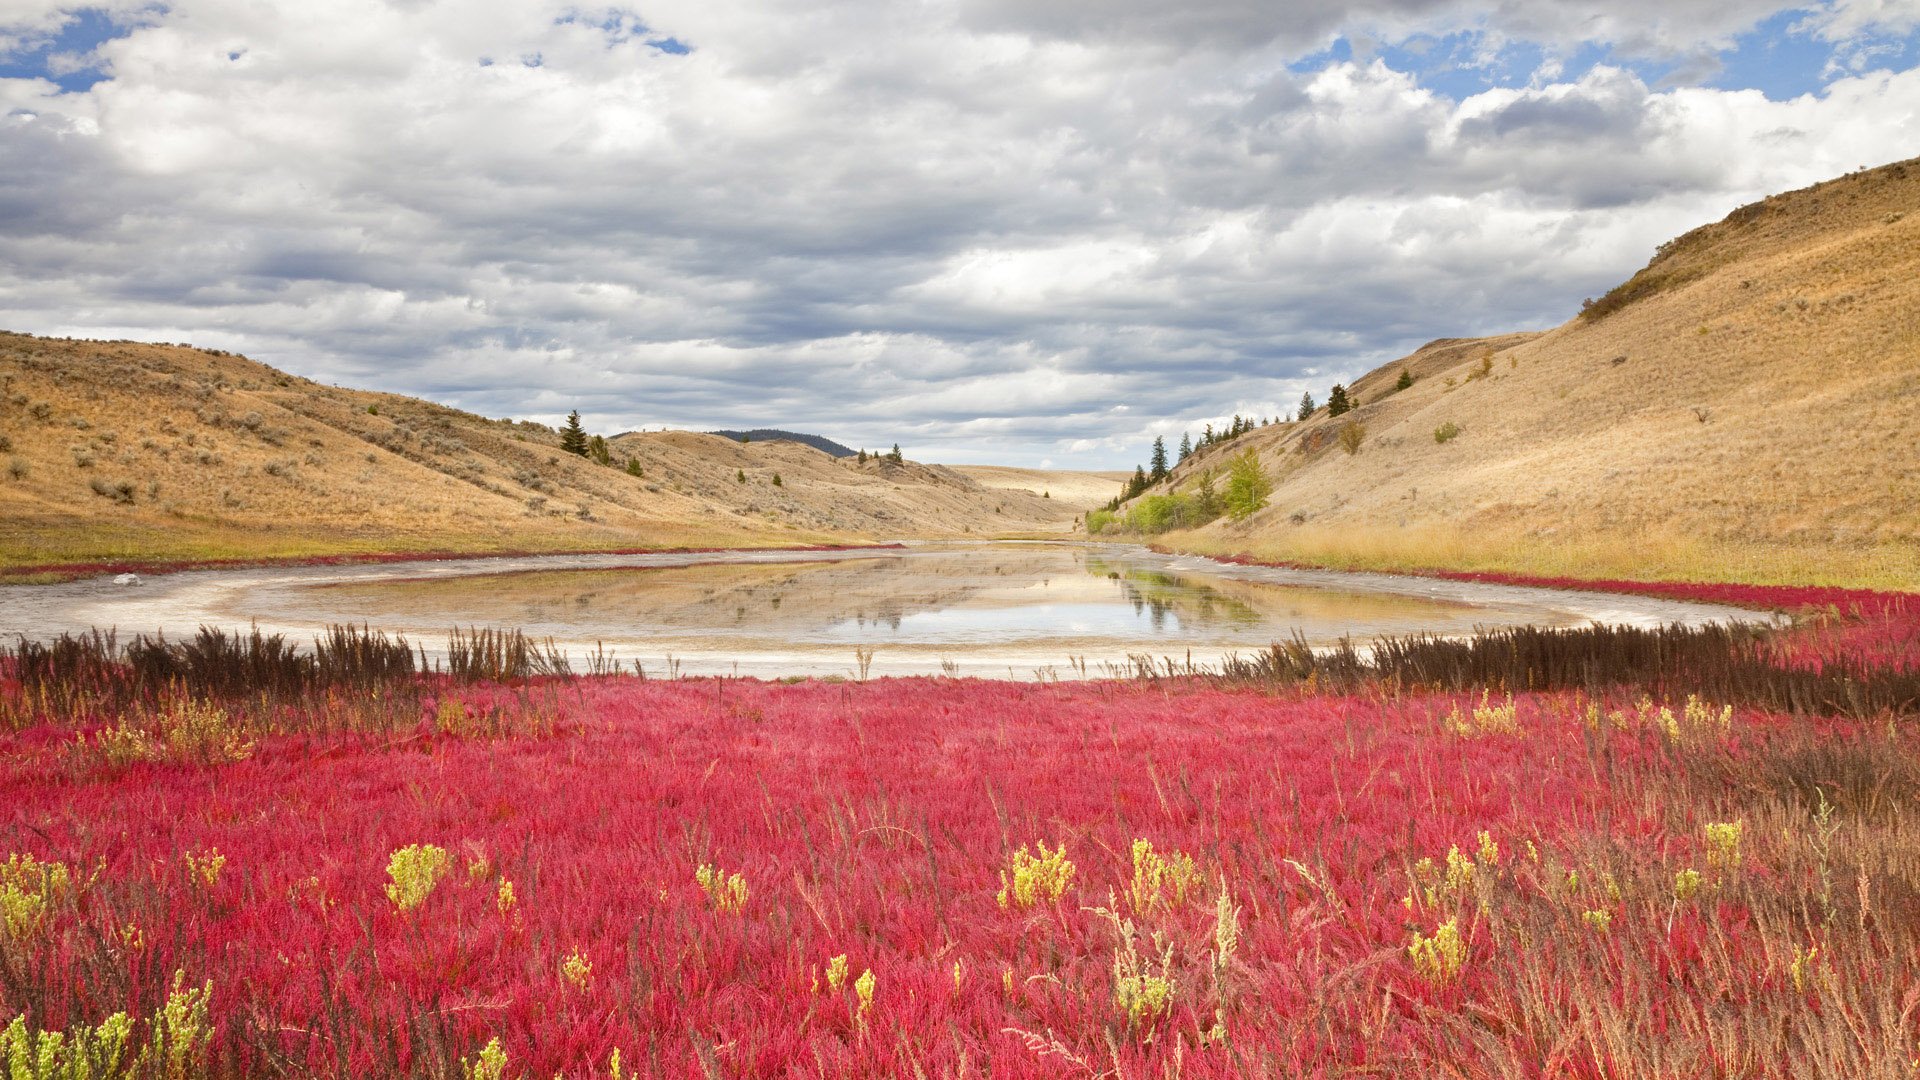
column 60, row 573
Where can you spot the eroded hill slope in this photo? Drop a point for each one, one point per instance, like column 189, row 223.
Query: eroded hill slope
column 1747, row 405
column 116, row 450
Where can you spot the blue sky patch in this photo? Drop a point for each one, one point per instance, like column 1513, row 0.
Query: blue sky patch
column 1780, row 57
column 64, row 58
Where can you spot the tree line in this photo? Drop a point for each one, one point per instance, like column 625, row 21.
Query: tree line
column 1198, row 502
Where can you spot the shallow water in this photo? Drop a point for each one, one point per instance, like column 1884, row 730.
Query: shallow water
column 1021, row 610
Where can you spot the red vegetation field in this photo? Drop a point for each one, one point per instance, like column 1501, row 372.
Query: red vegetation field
column 1366, row 882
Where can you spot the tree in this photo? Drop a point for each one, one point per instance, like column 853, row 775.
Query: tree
column 1159, row 460
column 1352, row 434
column 633, row 467
column 598, row 451
column 1247, row 485
column 1207, row 500
column 1186, row 447
column 573, row 437
column 1306, row 405
column 1406, row 380
column 739, row 476
column 897, row 459
column 1139, row 482
column 1337, row 402
column 776, row 480
column 863, row 455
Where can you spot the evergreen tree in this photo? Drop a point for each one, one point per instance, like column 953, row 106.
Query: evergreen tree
column 1139, row 482
column 1406, row 380
column 1208, row 438
column 573, row 437
column 633, row 467
column 863, row 455
column 1159, row 460
column 1186, row 447
column 1337, row 402
column 1306, row 406
column 897, row 459
column 1206, row 500
column 776, row 480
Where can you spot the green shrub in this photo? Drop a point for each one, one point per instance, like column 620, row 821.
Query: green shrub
column 1352, row 434
column 1446, row 431
column 415, row 870
column 1406, row 380
column 1247, row 485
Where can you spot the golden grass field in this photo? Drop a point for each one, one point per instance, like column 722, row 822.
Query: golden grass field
column 121, row 451
column 1753, row 416
column 1743, row 409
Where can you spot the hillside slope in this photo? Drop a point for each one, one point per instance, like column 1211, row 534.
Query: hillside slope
column 122, row 450
column 1748, row 405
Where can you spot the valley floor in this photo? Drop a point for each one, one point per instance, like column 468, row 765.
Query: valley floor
column 935, row 877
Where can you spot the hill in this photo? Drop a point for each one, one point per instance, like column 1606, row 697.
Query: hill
column 818, row 442
column 119, row 450
column 1745, row 407
column 1081, row 490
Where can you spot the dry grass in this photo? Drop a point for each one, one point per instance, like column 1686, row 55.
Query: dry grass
column 1079, row 490
column 1751, row 420
column 122, row 451
column 1513, row 549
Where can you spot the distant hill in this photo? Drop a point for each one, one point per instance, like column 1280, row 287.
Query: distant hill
column 1745, row 406
column 818, row 442
column 119, row 450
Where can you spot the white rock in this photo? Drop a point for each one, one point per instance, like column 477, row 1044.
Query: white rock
column 128, row 579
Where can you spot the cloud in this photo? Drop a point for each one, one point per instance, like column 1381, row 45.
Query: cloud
column 988, row 231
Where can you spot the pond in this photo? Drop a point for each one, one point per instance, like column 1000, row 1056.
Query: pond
column 1028, row 610
column 1020, row 610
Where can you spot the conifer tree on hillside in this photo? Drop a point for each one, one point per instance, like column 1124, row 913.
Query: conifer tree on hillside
column 1186, row 447
column 1207, row 505
column 1337, row 402
column 1139, row 482
column 1159, row 459
column 573, row 437
column 895, row 456
column 1406, row 380
column 598, row 451
column 1306, row 405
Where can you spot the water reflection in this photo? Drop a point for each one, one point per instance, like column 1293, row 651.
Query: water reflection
column 929, row 599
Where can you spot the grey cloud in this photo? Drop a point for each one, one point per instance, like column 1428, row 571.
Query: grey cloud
column 852, row 221
column 1641, row 27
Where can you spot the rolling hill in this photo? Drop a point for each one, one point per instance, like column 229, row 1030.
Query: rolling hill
column 118, row 450
column 818, row 442
column 1747, row 406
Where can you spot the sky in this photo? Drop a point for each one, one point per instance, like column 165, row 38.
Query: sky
column 1030, row 232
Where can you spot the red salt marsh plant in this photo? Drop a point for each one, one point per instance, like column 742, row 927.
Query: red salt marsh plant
column 960, row 878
